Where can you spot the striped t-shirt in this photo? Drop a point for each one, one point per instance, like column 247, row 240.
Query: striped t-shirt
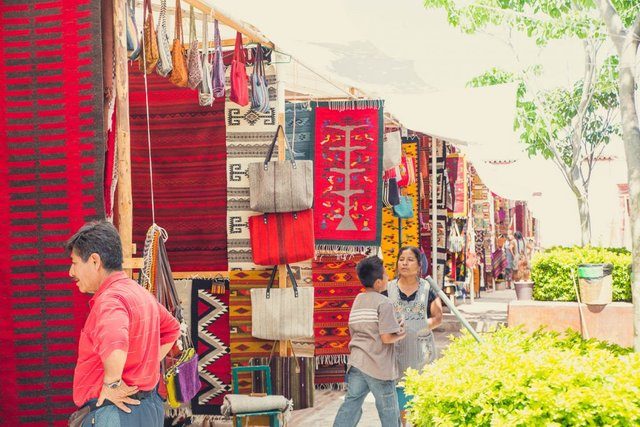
column 371, row 315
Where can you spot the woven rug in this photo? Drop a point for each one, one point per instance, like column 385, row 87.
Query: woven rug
column 348, row 177
column 299, row 128
column 249, row 135
column 210, row 334
column 51, row 181
column 188, row 157
column 457, row 171
column 331, row 376
column 336, row 285
column 408, row 229
column 297, row 386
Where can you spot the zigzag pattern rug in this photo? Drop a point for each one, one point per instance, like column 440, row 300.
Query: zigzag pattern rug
column 299, row 118
column 188, row 156
column 210, row 334
column 249, row 135
column 51, row 183
column 410, row 226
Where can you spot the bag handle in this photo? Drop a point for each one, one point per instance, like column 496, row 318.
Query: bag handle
column 238, row 52
column 147, row 11
column 295, row 358
column 272, row 279
column 217, row 45
column 178, row 22
column 272, row 147
column 192, row 24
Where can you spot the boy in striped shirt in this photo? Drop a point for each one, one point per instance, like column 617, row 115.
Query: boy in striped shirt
column 374, row 330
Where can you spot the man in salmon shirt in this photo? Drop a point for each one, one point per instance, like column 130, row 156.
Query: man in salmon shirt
column 125, row 337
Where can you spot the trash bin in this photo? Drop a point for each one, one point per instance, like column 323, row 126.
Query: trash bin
column 596, row 283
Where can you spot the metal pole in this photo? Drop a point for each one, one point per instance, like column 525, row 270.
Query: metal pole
column 434, row 211
column 453, row 308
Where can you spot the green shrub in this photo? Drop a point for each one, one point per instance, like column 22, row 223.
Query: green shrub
column 552, row 271
column 519, row 379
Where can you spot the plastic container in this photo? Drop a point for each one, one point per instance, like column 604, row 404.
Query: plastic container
column 524, row 290
column 595, row 283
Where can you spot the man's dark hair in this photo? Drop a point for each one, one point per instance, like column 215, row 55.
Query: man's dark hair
column 517, row 235
column 99, row 237
column 369, row 270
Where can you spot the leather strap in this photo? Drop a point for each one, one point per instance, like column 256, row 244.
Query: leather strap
column 272, row 279
column 272, row 148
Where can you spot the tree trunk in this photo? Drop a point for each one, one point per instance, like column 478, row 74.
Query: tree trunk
column 631, row 138
column 585, row 219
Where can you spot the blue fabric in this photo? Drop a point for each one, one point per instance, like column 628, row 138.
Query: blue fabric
column 403, row 398
column 359, row 385
column 150, row 413
column 303, row 143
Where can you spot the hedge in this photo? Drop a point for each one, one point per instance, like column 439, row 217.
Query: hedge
column 518, row 379
column 552, row 271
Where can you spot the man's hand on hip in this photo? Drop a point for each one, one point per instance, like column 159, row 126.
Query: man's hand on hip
column 119, row 396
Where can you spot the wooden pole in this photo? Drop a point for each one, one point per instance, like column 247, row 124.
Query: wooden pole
column 124, row 217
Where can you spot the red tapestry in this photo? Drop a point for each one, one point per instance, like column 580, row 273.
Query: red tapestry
column 51, row 183
column 348, row 173
column 457, row 170
column 188, row 148
column 336, row 285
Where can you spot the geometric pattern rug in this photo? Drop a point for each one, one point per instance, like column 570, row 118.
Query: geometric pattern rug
column 51, row 183
column 299, row 129
column 210, row 334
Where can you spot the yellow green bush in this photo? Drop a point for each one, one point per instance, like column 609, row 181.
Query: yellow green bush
column 520, row 379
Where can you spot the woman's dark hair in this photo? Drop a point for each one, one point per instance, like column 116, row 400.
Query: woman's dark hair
column 369, row 270
column 416, row 253
column 99, row 237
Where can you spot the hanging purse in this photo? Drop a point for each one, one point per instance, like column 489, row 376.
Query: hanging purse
column 133, row 38
column 282, row 238
column 218, row 73
column 149, row 58
column 239, row 81
column 390, row 193
column 407, row 172
column 280, row 186
column 165, row 65
column 194, row 61
column 456, row 241
column 405, row 208
column 392, row 150
column 205, row 97
column 259, row 91
column 179, row 74
column 282, row 313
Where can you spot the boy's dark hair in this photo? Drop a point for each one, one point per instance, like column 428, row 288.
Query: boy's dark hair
column 99, row 237
column 517, row 235
column 369, row 270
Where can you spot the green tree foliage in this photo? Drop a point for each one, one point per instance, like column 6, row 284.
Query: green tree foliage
column 518, row 379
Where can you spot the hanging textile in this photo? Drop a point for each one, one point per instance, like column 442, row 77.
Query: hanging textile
column 336, row 286
column 409, row 228
column 299, row 123
column 249, row 135
column 458, row 180
column 210, row 334
column 188, row 159
column 51, row 176
column 348, row 183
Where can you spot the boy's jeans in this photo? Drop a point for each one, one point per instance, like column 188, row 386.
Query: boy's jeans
column 359, row 385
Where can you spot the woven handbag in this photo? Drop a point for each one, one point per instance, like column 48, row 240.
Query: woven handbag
column 404, row 209
column 194, row 60
column 205, row 95
column 149, row 57
column 239, row 80
column 282, row 238
column 392, row 150
column 218, row 73
column 134, row 46
column 165, row 65
column 280, row 186
column 259, row 90
column 282, row 313
column 179, row 74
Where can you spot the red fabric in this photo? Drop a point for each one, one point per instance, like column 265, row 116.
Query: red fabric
column 124, row 316
column 109, row 166
column 284, row 238
column 51, row 151
column 239, row 80
column 188, row 147
column 358, row 223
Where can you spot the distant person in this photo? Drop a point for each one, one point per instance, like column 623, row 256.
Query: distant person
column 421, row 309
column 372, row 362
column 522, row 258
column 125, row 337
column 510, row 253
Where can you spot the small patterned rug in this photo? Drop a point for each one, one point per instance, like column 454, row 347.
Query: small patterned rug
column 299, row 122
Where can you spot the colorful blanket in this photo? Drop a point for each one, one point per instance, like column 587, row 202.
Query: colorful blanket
column 249, row 135
column 51, row 183
column 336, row 286
column 188, row 157
column 348, row 177
column 459, row 185
column 299, row 129
column 210, row 335
column 407, row 229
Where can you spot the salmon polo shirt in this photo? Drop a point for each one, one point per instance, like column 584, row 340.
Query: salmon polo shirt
column 124, row 316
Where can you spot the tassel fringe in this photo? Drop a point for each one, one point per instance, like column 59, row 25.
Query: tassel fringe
column 333, row 359
column 344, row 252
column 332, row 386
column 356, row 104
